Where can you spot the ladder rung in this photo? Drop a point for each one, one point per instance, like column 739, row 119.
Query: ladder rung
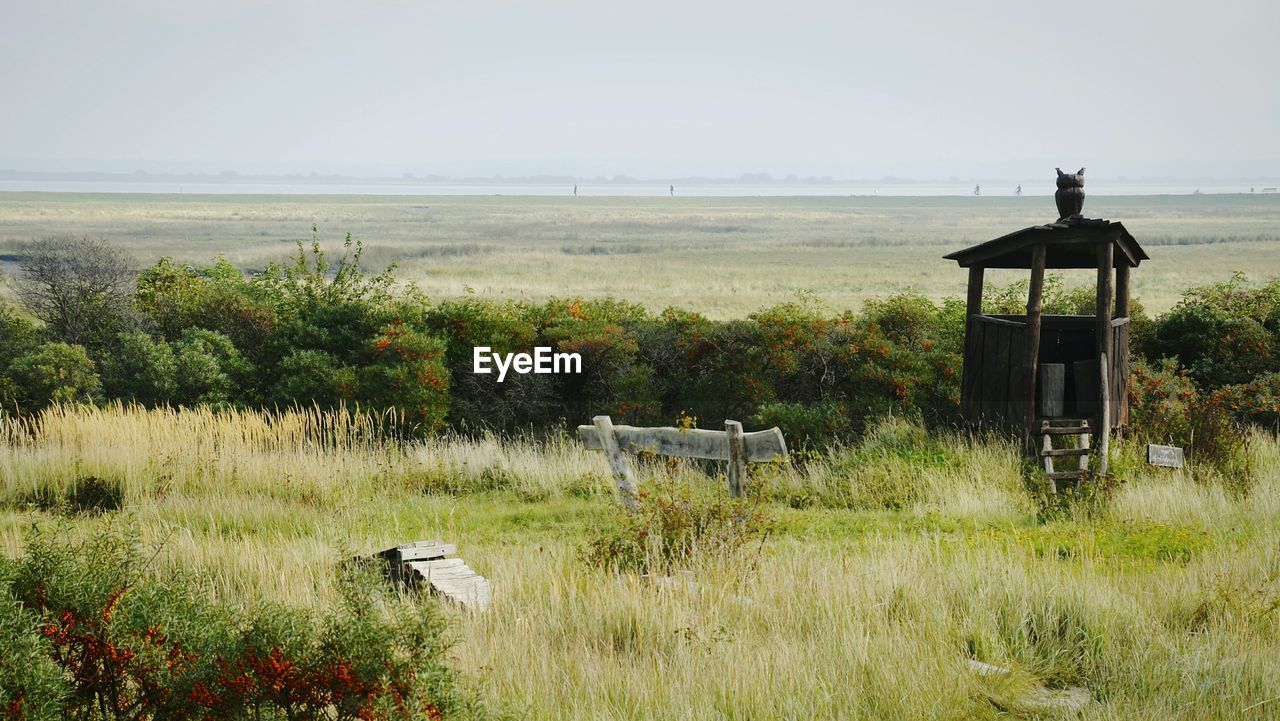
column 1064, row 475
column 1065, row 452
column 1064, row 430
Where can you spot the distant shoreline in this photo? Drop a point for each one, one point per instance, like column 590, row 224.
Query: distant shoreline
column 604, row 190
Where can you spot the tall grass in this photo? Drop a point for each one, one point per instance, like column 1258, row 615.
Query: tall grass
column 893, row 562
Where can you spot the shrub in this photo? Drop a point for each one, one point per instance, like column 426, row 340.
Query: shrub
column 805, row 426
column 707, row 369
column 140, row 370
column 1167, row 407
column 1216, row 348
column 87, row 495
column 32, row 687
column 1257, row 401
column 210, row 369
column 309, row 282
column 18, row 337
column 480, row 401
column 176, row 298
column 677, row 526
column 313, row 377
column 614, row 378
column 170, row 296
column 407, row 373
column 133, row 646
column 54, row 373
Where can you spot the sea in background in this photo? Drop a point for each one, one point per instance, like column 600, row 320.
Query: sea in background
column 628, row 189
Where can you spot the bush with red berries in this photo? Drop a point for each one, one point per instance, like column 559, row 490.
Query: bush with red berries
column 91, row 631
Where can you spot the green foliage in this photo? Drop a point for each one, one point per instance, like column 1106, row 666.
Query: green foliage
column 54, row 373
column 1167, row 407
column 478, row 401
column 174, row 298
column 1214, row 347
column 803, row 425
column 1257, row 401
column 312, row 332
column 140, row 370
column 209, row 368
column 313, row 377
column 885, row 470
column 32, row 687
column 18, row 337
column 407, row 373
column 127, row 644
column 678, row 526
column 614, row 379
column 310, row 281
column 1223, row 334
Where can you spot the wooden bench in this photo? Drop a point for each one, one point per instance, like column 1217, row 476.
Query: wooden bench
column 730, row 445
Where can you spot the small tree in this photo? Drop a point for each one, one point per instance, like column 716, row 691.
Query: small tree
column 82, row 288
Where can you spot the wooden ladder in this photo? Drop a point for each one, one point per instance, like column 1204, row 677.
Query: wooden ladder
column 1050, row 429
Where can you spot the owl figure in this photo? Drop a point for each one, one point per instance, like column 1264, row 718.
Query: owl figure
column 1070, row 195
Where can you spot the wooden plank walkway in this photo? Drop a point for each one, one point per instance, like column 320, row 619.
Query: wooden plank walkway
column 424, row 564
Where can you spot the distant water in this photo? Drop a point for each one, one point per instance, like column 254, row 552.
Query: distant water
column 724, row 189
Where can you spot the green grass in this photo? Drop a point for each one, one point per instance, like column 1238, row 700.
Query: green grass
column 1164, row 600
column 725, row 257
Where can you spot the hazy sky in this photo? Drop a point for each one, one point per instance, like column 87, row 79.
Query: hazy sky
column 649, row 89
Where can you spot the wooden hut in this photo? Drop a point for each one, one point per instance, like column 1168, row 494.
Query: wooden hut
column 1040, row 375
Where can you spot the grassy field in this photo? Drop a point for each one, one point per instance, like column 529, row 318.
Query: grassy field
column 725, row 257
column 893, row 564
column 1163, row 603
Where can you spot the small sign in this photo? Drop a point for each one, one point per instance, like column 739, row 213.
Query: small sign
column 1166, row 456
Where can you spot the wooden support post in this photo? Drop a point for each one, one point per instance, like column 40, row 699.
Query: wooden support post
column 1046, row 450
column 1104, row 433
column 973, row 303
column 737, row 459
column 1122, row 289
column 1032, row 358
column 1102, row 332
column 971, row 370
column 623, row 476
column 1084, row 443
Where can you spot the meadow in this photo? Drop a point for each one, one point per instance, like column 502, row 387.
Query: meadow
column 724, row 257
column 1162, row 602
column 893, row 562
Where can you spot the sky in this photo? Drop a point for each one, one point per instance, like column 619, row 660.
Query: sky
column 650, row 89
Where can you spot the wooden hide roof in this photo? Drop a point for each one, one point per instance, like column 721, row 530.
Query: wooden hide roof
column 1067, row 245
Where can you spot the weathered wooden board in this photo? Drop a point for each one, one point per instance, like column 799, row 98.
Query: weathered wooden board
column 689, row 443
column 1053, row 384
column 1165, row 456
column 424, row 562
column 423, row 550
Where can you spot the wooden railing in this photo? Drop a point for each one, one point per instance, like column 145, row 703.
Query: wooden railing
column 731, row 445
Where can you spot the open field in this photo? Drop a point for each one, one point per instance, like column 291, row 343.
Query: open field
column 1163, row 604
column 725, row 257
